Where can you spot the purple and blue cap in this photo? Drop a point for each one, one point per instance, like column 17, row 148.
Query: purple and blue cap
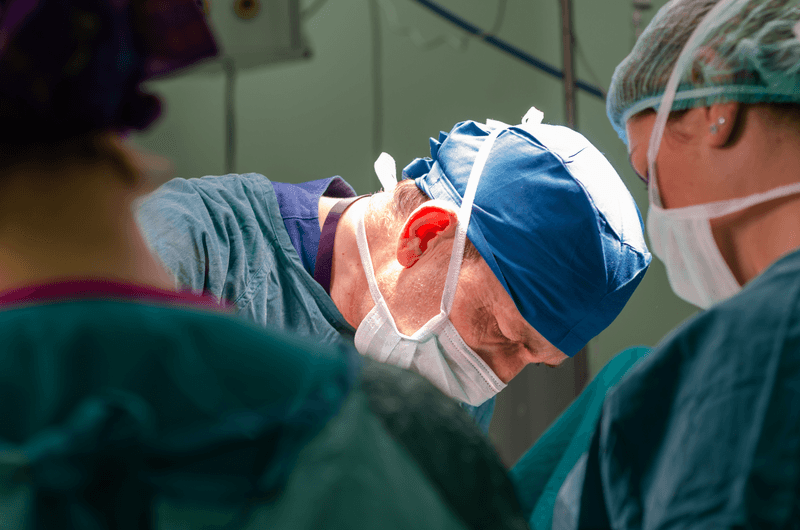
column 552, row 219
column 69, row 67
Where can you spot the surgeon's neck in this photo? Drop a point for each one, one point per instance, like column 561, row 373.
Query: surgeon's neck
column 349, row 287
column 75, row 223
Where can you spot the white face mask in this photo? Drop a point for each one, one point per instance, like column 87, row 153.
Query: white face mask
column 436, row 351
column 682, row 237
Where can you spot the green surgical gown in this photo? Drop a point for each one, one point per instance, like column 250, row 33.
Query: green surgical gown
column 705, row 432
column 132, row 414
column 541, row 471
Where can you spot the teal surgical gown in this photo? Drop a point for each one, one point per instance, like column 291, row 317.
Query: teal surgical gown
column 224, row 236
column 705, row 432
column 541, row 471
column 129, row 414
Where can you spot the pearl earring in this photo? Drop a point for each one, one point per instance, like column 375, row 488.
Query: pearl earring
column 715, row 128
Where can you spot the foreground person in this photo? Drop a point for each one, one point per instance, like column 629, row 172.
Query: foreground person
column 127, row 404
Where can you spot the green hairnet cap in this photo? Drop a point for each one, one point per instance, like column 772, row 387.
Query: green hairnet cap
column 750, row 54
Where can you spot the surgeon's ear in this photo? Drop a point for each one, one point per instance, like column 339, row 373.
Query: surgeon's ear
column 722, row 122
column 426, row 227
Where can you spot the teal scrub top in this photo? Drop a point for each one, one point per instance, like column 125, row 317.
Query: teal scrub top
column 224, row 236
column 705, row 432
column 152, row 387
column 137, row 413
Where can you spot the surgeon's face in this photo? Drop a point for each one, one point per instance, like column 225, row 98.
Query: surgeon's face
column 483, row 314
column 487, row 319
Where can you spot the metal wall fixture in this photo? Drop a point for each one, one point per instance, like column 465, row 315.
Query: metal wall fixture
column 247, row 9
column 255, row 33
column 567, row 49
column 250, row 34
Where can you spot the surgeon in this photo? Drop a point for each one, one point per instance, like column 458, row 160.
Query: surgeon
column 510, row 245
column 705, row 431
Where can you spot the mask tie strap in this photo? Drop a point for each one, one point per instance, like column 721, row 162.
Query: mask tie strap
column 464, row 215
column 366, row 260
column 386, row 169
column 665, row 107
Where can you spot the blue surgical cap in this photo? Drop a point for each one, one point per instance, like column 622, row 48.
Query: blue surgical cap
column 552, row 219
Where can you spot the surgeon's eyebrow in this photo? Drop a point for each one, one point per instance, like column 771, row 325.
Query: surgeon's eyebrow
column 481, row 319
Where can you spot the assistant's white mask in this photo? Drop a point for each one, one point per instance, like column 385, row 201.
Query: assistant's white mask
column 682, row 237
column 436, row 351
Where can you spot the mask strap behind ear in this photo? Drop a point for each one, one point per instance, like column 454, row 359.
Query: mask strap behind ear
column 464, row 214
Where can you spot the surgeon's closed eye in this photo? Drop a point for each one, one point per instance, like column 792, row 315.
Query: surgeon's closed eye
column 489, row 329
column 497, row 332
column 500, row 337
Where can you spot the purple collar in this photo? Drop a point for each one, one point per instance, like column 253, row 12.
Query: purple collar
column 324, row 264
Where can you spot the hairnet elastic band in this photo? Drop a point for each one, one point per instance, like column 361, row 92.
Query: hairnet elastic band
column 654, row 102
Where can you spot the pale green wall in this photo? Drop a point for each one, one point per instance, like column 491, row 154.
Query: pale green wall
column 312, row 119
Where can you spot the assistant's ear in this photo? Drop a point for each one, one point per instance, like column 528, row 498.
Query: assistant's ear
column 427, row 226
column 721, row 121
